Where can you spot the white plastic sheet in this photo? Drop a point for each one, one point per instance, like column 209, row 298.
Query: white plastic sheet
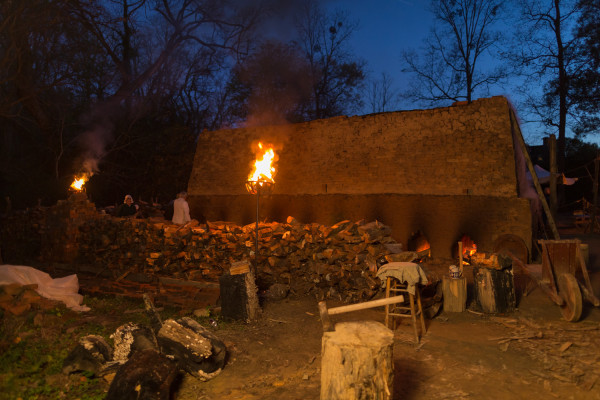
column 62, row 289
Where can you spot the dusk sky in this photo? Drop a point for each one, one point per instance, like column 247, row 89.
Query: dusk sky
column 386, row 27
column 389, row 26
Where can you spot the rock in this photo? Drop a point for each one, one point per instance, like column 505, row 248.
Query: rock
column 278, row 291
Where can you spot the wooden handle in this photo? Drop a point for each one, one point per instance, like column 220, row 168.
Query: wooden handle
column 460, row 257
column 365, row 305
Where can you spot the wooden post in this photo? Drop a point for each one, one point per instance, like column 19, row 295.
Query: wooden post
column 460, row 257
column 519, row 136
column 357, row 362
column 239, row 298
column 454, row 291
column 592, row 226
column 553, row 175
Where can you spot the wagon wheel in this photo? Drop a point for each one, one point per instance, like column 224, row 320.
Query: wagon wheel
column 568, row 290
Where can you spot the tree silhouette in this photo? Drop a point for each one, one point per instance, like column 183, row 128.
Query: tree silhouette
column 448, row 66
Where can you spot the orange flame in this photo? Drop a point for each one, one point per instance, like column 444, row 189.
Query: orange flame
column 469, row 246
column 423, row 246
column 79, row 181
column 263, row 167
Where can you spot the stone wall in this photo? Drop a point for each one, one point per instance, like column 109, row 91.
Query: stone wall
column 458, row 150
column 446, row 172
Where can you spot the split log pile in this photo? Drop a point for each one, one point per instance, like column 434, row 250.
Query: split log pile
column 21, row 235
column 336, row 261
column 332, row 261
column 60, row 233
column 17, row 299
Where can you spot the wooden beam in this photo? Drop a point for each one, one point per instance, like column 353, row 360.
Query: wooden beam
column 536, row 183
column 592, row 226
column 553, row 175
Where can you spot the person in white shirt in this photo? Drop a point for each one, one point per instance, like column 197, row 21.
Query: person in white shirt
column 181, row 209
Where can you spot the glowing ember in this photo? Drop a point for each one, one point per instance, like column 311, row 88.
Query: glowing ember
column 263, row 166
column 469, row 247
column 80, row 181
column 423, row 246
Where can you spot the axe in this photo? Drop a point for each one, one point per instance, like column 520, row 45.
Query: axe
column 325, row 313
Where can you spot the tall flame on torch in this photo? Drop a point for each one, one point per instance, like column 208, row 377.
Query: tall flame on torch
column 261, row 180
column 263, row 171
column 79, row 181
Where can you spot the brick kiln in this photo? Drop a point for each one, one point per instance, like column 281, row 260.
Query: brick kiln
column 444, row 172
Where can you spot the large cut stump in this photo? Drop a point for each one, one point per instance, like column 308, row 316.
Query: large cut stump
column 147, row 375
column 495, row 289
column 239, row 299
column 455, row 293
column 357, row 362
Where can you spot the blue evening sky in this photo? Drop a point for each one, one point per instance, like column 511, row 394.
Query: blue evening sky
column 389, row 26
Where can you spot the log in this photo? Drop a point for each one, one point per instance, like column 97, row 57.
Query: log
column 196, row 349
column 91, row 354
column 146, row 375
column 357, row 362
column 455, row 293
column 239, row 298
column 494, row 289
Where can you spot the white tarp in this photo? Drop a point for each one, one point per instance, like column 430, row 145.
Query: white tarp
column 544, row 177
column 62, row 289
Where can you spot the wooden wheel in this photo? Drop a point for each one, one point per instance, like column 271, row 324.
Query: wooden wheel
column 568, row 290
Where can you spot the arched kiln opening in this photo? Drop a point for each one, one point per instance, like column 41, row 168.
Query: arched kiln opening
column 419, row 243
column 469, row 247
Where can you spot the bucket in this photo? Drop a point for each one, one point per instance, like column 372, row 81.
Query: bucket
column 454, row 272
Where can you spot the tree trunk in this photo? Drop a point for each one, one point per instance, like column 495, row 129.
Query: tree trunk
column 357, row 362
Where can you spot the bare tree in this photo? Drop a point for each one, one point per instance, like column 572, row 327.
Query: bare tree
column 336, row 73
column 449, row 65
column 72, row 69
column 545, row 58
column 585, row 86
column 380, row 94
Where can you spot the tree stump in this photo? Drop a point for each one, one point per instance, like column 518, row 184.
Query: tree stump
column 357, row 362
column 455, row 293
column 494, row 289
column 239, row 298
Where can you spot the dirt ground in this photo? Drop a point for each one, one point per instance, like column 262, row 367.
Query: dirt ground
column 531, row 353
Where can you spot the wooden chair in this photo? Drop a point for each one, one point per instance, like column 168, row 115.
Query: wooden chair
column 413, row 310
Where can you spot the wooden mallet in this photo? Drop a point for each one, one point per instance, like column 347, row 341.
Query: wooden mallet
column 325, row 313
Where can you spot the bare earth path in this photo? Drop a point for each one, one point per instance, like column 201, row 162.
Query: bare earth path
column 463, row 355
column 531, row 353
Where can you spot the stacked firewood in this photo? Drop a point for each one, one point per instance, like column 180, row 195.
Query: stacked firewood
column 331, row 261
column 328, row 261
column 60, row 236
column 20, row 235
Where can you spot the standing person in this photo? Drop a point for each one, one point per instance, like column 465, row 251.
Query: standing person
column 127, row 209
column 181, row 209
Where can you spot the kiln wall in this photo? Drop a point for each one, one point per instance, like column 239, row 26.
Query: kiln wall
column 465, row 149
column 445, row 171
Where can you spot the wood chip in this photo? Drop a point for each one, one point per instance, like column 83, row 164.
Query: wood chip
column 565, row 346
